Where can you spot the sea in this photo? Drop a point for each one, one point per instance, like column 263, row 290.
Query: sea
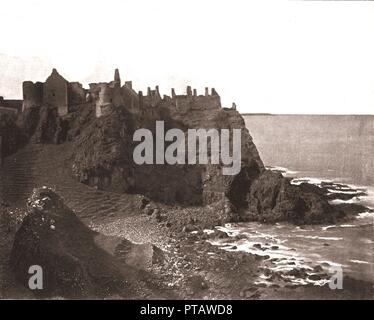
column 314, row 148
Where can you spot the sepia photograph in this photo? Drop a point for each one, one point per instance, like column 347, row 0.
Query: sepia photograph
column 177, row 150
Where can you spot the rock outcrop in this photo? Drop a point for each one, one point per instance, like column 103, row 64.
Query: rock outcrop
column 104, row 151
column 73, row 265
column 272, row 198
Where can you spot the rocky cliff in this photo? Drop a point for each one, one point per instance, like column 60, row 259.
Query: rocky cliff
column 103, row 150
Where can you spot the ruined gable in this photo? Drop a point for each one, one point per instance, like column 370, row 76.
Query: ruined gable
column 55, row 93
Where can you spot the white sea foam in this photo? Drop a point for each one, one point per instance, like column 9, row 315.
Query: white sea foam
column 339, row 226
column 364, row 215
column 332, row 264
column 350, row 189
column 347, row 191
column 328, row 227
column 319, row 238
column 208, row 231
column 286, row 172
column 359, row 261
column 340, row 201
column 315, row 181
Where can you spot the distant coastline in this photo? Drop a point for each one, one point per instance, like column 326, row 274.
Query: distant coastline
column 307, row 114
column 257, row 114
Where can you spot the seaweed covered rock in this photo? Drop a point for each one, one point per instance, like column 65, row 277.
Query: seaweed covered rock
column 52, row 237
column 273, row 198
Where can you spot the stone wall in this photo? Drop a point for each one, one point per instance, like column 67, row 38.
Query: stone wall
column 76, row 94
column 13, row 106
column 32, row 94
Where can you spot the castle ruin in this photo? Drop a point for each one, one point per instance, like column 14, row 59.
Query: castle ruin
column 55, row 92
column 66, row 97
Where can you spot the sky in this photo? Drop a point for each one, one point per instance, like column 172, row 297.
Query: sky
column 278, row 56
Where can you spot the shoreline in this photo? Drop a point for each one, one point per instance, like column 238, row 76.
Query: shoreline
column 195, row 269
column 219, row 274
column 192, row 268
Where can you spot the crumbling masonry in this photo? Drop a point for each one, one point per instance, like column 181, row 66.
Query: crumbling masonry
column 56, row 92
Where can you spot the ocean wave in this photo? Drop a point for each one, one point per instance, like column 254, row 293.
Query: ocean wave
column 359, row 261
column 310, row 180
column 328, row 227
column 365, row 194
column 339, row 226
column 318, row 237
column 285, row 171
column 366, row 214
column 354, row 200
column 287, row 259
column 328, row 263
column 346, row 191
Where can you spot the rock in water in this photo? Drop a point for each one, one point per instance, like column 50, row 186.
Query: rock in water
column 272, row 198
column 52, row 237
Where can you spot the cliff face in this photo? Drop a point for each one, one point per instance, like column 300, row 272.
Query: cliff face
column 104, row 151
column 103, row 158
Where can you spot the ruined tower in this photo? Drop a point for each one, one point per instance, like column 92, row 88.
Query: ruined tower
column 32, row 94
column 117, row 78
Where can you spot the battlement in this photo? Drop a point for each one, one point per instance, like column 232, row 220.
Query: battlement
column 193, row 92
column 153, row 97
column 57, row 92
